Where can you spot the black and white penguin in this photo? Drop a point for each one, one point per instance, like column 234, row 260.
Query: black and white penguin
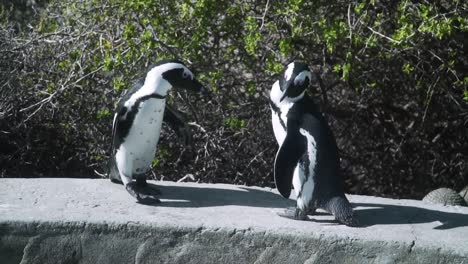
column 307, row 158
column 137, row 125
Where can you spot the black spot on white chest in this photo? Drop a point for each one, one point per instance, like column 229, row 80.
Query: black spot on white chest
column 148, row 117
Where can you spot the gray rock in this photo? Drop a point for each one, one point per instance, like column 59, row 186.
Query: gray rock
column 464, row 194
column 96, row 221
column 444, row 196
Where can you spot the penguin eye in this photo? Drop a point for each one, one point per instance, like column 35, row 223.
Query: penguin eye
column 186, row 75
column 299, row 81
column 303, row 78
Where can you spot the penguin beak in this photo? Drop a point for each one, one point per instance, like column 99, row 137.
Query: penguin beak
column 322, row 89
column 285, row 93
column 199, row 88
column 196, row 87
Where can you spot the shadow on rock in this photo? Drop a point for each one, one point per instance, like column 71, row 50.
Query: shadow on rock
column 385, row 214
column 187, row 196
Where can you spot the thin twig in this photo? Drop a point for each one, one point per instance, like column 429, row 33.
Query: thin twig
column 51, row 96
column 383, row 36
column 429, row 99
column 264, row 14
column 349, row 25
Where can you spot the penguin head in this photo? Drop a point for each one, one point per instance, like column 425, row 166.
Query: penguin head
column 173, row 73
column 295, row 78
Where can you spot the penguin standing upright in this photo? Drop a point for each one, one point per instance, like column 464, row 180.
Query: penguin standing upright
column 308, row 156
column 137, row 125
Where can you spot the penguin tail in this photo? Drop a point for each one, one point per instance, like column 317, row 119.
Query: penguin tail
column 114, row 174
column 340, row 207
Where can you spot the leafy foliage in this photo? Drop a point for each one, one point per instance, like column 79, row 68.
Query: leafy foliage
column 395, row 75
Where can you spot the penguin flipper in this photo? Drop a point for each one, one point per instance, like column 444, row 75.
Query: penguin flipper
column 113, row 172
column 114, row 175
column 287, row 157
column 119, row 118
column 120, row 121
column 176, row 121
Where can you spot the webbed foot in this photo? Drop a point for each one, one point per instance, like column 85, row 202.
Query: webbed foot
column 115, row 181
column 150, row 189
column 144, row 194
column 294, row 213
column 147, row 188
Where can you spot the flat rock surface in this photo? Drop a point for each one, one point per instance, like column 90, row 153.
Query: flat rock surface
column 409, row 223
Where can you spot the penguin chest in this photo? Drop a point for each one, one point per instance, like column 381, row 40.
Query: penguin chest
column 279, row 121
column 278, row 129
column 304, row 174
column 139, row 146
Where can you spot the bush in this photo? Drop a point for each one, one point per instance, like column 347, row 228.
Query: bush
column 395, row 76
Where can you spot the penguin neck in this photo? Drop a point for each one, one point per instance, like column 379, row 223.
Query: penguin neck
column 311, row 104
column 152, row 88
column 276, row 94
column 156, row 84
column 292, row 100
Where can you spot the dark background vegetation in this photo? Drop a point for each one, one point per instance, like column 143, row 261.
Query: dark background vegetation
column 395, row 74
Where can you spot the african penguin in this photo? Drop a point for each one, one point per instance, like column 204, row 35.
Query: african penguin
column 307, row 158
column 137, row 125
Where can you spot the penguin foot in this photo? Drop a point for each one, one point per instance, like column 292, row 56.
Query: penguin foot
column 115, row 181
column 294, row 213
column 144, row 195
column 147, row 188
column 311, row 211
column 150, row 189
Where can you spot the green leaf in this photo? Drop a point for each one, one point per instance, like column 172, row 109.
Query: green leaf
column 407, row 68
column 285, row 46
column 118, row 83
column 234, row 123
column 103, row 113
column 346, row 69
column 251, row 88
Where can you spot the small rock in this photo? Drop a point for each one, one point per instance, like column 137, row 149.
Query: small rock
column 444, row 196
column 464, row 194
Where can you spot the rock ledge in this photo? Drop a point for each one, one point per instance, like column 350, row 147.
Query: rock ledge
column 95, row 221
